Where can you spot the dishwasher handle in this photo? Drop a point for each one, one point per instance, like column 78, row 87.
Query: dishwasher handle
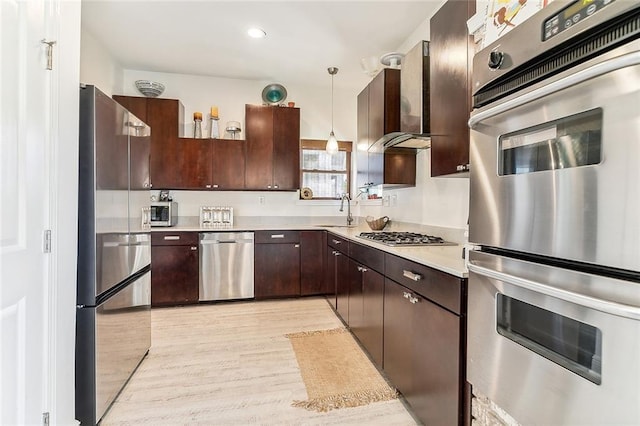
column 208, row 242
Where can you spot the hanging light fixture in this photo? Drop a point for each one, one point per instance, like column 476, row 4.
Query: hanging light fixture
column 332, row 142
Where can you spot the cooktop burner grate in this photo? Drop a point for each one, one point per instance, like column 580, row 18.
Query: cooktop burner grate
column 405, row 239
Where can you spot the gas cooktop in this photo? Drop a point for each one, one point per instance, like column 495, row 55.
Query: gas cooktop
column 404, row 239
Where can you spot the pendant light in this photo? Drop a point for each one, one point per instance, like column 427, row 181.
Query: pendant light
column 332, row 142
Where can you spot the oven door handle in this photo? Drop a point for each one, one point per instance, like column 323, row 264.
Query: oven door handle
column 594, row 71
column 605, row 306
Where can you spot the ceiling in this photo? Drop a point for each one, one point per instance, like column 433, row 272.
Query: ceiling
column 303, row 39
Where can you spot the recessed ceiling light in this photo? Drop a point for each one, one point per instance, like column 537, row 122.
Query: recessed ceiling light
column 256, row 33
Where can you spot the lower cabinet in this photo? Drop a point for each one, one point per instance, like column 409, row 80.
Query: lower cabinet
column 313, row 256
column 174, row 268
column 330, row 275
column 277, row 264
column 366, row 304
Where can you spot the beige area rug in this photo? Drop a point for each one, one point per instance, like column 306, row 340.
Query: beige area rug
column 335, row 371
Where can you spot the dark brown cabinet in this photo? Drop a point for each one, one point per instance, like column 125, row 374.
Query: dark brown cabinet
column 163, row 116
column 174, row 266
column 424, row 339
column 277, row 264
column 450, row 85
column 273, row 148
column 339, row 249
column 379, row 114
column 216, row 164
column 313, row 253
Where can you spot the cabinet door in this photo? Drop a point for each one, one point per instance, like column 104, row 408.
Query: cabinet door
column 400, row 166
column 384, row 104
column 174, row 277
column 163, row 118
column 398, row 336
column 450, row 89
column 435, row 392
column 228, row 164
column 371, row 334
column 330, row 275
column 355, row 298
column 313, row 251
column 259, row 157
column 286, row 148
column 277, row 270
column 342, row 286
column 195, row 164
column 362, row 142
column 135, row 104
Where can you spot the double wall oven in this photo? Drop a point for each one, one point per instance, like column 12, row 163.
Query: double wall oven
column 554, row 279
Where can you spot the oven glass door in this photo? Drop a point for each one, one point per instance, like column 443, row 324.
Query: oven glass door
column 541, row 336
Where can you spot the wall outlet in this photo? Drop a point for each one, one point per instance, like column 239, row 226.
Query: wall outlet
column 385, row 201
column 261, row 199
column 394, row 200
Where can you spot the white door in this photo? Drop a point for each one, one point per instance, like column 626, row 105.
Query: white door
column 24, row 212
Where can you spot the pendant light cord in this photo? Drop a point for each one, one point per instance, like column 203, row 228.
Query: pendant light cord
column 332, row 75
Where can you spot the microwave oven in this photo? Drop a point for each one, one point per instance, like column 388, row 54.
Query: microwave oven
column 164, row 213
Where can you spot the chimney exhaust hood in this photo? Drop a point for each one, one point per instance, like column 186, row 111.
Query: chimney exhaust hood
column 414, row 103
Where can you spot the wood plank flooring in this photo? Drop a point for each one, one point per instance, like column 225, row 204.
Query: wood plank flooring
column 230, row 364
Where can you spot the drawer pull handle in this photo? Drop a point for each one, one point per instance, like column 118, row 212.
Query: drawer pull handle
column 413, row 300
column 411, row 275
column 336, row 253
column 406, row 294
column 296, row 245
column 277, row 236
column 336, row 241
column 362, row 269
column 194, row 248
column 171, row 237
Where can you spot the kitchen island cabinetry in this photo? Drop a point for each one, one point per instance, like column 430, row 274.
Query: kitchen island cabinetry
column 163, row 116
column 450, row 85
column 174, row 263
column 424, row 333
column 277, row 264
column 273, row 148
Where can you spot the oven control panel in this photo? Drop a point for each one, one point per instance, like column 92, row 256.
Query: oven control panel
column 571, row 15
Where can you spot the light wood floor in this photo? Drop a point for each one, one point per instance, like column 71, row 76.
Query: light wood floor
column 230, row 364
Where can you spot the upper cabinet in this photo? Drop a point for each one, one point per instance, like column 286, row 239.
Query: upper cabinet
column 163, row 116
column 273, row 148
column 379, row 114
column 450, row 85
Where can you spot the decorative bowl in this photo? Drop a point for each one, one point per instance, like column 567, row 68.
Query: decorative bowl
column 149, row 88
column 377, row 224
column 274, row 94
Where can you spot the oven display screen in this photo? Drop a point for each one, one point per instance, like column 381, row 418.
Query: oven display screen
column 572, row 141
column 571, row 15
column 571, row 344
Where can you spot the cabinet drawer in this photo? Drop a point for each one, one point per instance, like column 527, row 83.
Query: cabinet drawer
column 174, row 238
column 338, row 243
column 367, row 256
column 277, row 237
column 439, row 287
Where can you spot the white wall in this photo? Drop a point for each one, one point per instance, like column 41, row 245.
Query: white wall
column 98, row 66
column 199, row 93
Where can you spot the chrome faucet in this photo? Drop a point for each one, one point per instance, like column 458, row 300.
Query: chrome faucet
column 349, row 217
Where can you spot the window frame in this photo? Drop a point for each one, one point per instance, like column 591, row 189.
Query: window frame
column 319, row 145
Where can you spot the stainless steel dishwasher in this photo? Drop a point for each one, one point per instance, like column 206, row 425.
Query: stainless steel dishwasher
column 226, row 265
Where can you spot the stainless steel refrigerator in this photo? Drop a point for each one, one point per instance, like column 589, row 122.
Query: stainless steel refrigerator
column 113, row 316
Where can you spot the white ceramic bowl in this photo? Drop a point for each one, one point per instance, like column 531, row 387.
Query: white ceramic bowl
column 149, row 88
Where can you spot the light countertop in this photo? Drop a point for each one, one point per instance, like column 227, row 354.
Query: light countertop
column 444, row 258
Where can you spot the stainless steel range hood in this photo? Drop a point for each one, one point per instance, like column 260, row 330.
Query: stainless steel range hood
column 414, row 103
